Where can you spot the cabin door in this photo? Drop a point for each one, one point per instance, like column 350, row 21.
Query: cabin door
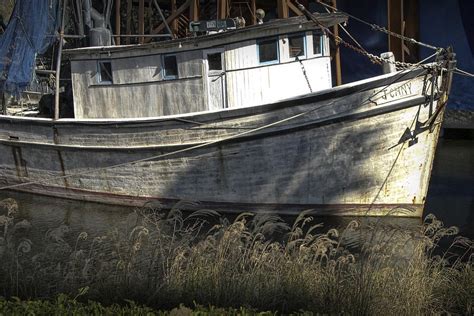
column 215, row 78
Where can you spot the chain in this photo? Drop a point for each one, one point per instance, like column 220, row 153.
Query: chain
column 375, row 59
column 304, row 73
column 380, row 28
column 408, row 39
column 379, row 60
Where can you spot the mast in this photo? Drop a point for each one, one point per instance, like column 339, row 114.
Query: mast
column 337, row 53
column 58, row 62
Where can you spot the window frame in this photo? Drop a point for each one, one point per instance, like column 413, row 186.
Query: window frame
column 321, row 43
column 163, row 62
column 215, row 52
column 266, row 39
column 101, row 80
column 305, row 45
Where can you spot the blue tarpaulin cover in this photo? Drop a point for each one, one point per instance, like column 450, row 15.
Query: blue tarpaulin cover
column 30, row 31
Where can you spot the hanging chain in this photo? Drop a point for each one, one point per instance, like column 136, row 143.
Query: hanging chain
column 304, row 73
column 375, row 59
column 380, row 28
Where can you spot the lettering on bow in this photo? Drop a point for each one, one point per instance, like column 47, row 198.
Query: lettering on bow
column 391, row 93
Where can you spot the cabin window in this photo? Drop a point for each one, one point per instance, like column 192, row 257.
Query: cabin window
column 214, row 61
column 317, row 43
column 170, row 67
column 268, row 50
column 296, row 44
column 105, row 72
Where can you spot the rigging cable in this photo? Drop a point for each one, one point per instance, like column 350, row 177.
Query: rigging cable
column 463, row 72
column 349, row 34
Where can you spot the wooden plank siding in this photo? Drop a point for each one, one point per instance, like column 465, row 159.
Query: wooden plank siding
column 140, row 90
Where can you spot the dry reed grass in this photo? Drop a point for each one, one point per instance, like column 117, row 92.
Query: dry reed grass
column 164, row 259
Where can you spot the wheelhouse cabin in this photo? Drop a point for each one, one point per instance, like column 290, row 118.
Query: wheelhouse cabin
column 229, row 69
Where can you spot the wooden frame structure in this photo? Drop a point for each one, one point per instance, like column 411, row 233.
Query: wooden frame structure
column 181, row 12
column 222, row 9
column 402, row 19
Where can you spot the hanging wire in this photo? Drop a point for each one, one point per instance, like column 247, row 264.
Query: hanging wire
column 349, row 34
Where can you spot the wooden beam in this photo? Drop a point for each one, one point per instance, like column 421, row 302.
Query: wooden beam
column 117, row 21
column 174, row 23
column 395, row 24
column 162, row 17
column 150, row 14
column 283, row 11
column 337, row 55
column 222, row 9
column 412, row 30
column 173, row 16
column 294, row 8
column 141, row 20
column 129, row 20
column 194, row 11
column 253, row 7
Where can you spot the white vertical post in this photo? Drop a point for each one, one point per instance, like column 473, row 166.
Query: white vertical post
column 389, row 62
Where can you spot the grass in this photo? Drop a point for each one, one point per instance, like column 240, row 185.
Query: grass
column 6, row 8
column 64, row 305
column 167, row 259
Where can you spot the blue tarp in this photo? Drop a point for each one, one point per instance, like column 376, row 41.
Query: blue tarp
column 30, row 31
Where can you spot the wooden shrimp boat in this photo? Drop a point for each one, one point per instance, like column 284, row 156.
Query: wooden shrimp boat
column 243, row 119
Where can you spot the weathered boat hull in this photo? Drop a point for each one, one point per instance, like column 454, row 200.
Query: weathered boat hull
column 361, row 149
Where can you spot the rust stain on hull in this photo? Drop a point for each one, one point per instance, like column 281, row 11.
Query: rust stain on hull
column 20, row 163
column 63, row 169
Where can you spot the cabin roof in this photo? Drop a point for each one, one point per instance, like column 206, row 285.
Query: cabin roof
column 268, row 29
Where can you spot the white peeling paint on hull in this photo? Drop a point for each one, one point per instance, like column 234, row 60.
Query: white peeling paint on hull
column 340, row 154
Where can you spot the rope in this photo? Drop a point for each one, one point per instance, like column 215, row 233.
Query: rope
column 164, row 155
column 463, row 73
column 349, row 34
column 396, row 78
column 380, row 28
column 352, row 38
column 419, row 64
